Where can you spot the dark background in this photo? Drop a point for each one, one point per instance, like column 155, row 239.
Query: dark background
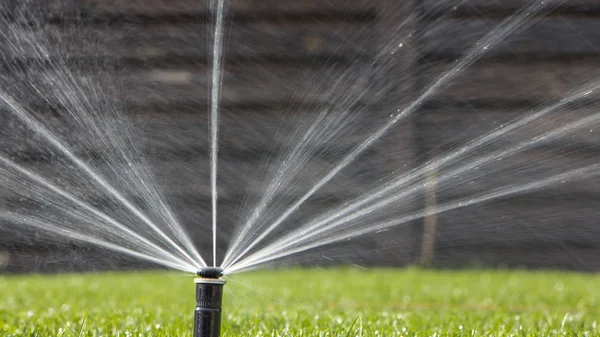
column 277, row 51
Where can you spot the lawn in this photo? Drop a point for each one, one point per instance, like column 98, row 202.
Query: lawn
column 311, row 302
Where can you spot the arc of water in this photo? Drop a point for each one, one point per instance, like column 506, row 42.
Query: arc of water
column 313, row 229
column 272, row 187
column 68, row 79
column 288, row 167
column 214, row 113
column 29, row 221
column 22, row 114
column 481, row 48
column 581, row 173
column 59, row 191
column 298, row 149
column 309, row 230
column 68, row 84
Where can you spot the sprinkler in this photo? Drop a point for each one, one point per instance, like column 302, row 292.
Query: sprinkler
column 209, row 294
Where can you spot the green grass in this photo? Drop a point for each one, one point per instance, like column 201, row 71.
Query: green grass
column 337, row 302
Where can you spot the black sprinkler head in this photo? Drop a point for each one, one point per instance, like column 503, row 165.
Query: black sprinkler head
column 210, row 272
column 209, row 295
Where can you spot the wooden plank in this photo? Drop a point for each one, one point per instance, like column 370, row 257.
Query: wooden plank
column 289, row 6
column 165, row 132
column 490, row 7
column 177, row 150
column 453, row 126
column 193, row 214
column 521, row 168
column 158, row 12
column 195, row 211
column 546, row 38
column 253, row 41
column 191, row 203
column 161, row 7
column 254, row 130
column 186, row 134
column 514, row 81
column 282, row 84
column 185, row 179
column 176, row 178
column 189, row 174
column 518, row 222
column 448, row 130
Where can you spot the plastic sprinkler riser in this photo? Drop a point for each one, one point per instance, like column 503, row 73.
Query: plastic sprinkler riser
column 209, row 297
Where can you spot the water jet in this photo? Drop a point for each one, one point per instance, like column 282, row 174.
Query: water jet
column 209, row 296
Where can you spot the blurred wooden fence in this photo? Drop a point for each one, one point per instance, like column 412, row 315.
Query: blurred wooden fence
column 557, row 227
column 281, row 52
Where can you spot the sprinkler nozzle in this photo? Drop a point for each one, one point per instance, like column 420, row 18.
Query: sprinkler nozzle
column 210, row 272
column 209, row 295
